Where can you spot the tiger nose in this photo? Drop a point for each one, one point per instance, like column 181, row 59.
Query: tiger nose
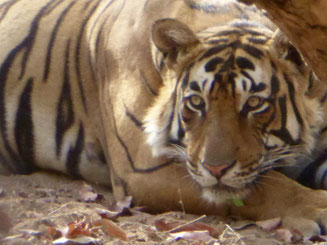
column 216, row 170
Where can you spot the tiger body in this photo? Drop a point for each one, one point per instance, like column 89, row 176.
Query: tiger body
column 96, row 90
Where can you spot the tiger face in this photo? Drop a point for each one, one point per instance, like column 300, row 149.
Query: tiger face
column 233, row 104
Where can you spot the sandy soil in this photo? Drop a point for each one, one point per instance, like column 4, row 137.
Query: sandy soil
column 45, row 208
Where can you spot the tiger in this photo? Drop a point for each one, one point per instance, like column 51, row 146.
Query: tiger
column 186, row 105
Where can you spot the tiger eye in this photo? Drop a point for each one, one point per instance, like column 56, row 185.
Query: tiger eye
column 196, row 100
column 254, row 101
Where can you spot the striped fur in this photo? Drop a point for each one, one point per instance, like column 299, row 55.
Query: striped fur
column 91, row 88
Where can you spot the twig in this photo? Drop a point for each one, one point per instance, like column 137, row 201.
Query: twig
column 58, row 209
column 188, row 223
column 239, row 238
column 181, row 200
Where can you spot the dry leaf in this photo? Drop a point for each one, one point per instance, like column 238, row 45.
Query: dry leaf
column 192, row 235
column 163, row 226
column 284, row 235
column 87, row 194
column 111, row 229
column 107, row 214
column 176, row 226
column 55, row 234
column 78, row 240
column 120, row 208
column 318, row 238
column 270, row 224
column 76, row 229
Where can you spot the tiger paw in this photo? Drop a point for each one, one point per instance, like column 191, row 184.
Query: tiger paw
column 301, row 209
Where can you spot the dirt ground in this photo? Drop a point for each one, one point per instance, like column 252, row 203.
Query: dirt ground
column 45, row 208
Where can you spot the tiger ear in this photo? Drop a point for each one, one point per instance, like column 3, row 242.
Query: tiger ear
column 172, row 36
column 286, row 50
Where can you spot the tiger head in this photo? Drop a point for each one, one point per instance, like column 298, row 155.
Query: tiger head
column 233, row 104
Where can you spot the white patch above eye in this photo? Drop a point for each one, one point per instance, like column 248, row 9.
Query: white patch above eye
column 273, row 141
column 292, row 124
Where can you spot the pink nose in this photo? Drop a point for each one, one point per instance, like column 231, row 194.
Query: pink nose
column 215, row 170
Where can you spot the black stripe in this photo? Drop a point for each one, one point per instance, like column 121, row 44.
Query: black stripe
column 131, row 161
column 228, row 65
column 52, row 41
column 271, row 118
column 65, row 111
column 181, row 132
column 228, row 33
column 253, row 51
column 245, row 63
column 257, row 40
column 283, row 133
column 322, row 181
column 102, row 28
column 55, row 4
column 213, row 51
column 247, row 75
column 24, row 131
column 195, row 86
column 137, row 122
column 128, row 155
column 231, row 79
column 97, row 42
column 97, row 19
column 74, row 155
column 7, row 6
column 274, row 85
column 310, row 80
column 253, row 33
column 147, row 84
column 256, row 88
column 291, row 92
column 185, row 79
column 283, row 111
column 87, row 5
column 294, row 56
column 211, row 65
column 207, row 8
column 323, row 98
column 217, row 41
column 29, row 40
column 244, row 85
column 307, row 176
column 172, row 142
column 78, row 53
column 4, row 70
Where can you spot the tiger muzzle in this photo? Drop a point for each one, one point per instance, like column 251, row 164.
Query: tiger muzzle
column 217, row 170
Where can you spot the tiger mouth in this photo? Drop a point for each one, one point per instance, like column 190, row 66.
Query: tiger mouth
column 220, row 193
column 222, row 187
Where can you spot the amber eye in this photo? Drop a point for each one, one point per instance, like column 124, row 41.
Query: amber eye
column 255, row 102
column 196, row 102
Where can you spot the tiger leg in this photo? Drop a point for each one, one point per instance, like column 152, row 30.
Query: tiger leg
column 169, row 188
column 279, row 196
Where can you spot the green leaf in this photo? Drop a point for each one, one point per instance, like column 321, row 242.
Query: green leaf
column 237, row 202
